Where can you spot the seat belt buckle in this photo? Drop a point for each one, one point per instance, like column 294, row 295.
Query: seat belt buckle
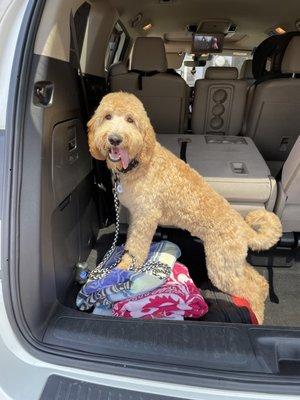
column 183, row 140
column 284, row 144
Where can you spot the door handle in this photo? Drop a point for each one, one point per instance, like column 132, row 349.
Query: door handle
column 43, row 93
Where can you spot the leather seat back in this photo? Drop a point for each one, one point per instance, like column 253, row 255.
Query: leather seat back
column 164, row 95
column 219, row 102
column 246, row 72
column 288, row 201
column 274, row 117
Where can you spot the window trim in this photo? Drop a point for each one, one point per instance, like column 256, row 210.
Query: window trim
column 110, row 58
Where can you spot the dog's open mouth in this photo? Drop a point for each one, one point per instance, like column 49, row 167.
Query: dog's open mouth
column 117, row 154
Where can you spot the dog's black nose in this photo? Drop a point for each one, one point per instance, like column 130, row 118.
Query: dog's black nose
column 114, row 139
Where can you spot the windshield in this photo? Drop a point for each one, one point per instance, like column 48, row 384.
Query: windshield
column 190, row 75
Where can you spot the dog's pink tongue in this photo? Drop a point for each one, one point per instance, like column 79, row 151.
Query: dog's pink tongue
column 115, row 151
column 124, row 158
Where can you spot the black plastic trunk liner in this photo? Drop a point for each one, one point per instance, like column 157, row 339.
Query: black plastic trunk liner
column 59, row 387
column 183, row 343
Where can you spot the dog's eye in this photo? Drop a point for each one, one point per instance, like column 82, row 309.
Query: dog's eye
column 130, row 120
column 108, row 116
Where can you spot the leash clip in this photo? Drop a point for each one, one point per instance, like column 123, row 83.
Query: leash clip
column 117, row 184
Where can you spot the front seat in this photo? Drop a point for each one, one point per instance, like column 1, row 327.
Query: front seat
column 164, row 95
column 246, row 72
column 219, row 102
column 288, row 201
column 273, row 121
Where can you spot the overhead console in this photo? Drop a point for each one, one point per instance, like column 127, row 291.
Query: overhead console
column 206, row 37
column 209, row 35
column 225, row 26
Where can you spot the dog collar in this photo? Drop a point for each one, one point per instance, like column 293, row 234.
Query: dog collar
column 133, row 164
column 118, row 186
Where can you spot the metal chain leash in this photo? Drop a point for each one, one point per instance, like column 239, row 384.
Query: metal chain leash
column 157, row 268
column 100, row 270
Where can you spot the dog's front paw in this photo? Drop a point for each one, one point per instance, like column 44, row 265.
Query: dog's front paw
column 126, row 262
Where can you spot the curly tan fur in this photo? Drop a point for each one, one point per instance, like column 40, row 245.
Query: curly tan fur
column 163, row 190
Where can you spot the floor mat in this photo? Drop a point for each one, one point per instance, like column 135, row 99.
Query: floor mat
column 286, row 282
column 103, row 243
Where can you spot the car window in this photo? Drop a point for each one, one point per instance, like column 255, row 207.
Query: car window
column 117, row 45
column 190, row 75
column 80, row 20
column 80, row 23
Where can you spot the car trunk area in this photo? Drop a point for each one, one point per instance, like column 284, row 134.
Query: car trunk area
column 191, row 344
column 71, row 222
column 63, row 211
column 64, row 226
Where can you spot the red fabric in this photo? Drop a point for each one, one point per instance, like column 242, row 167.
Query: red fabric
column 240, row 302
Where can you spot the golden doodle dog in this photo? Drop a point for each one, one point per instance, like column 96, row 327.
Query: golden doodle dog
column 161, row 189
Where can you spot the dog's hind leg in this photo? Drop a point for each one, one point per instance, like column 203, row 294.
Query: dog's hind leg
column 140, row 234
column 229, row 272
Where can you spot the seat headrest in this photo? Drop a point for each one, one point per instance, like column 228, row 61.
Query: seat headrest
column 118, row 68
column 246, row 70
column 269, row 55
column 221, row 73
column 149, row 54
column 263, row 58
column 175, row 60
column 291, row 59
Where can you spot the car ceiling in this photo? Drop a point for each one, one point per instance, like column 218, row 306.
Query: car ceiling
column 254, row 18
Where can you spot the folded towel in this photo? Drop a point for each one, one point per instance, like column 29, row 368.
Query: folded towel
column 109, row 285
column 176, row 299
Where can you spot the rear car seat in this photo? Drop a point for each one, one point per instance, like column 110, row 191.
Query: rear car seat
column 164, row 95
column 219, row 102
column 232, row 165
column 174, row 60
column 288, row 201
column 273, row 121
column 246, row 72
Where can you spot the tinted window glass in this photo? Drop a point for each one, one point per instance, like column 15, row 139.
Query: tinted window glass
column 117, row 45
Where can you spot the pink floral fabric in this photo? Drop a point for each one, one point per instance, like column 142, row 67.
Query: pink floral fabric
column 177, row 298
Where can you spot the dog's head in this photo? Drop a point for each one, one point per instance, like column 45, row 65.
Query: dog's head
column 120, row 131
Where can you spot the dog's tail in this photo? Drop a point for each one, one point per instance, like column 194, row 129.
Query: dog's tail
column 264, row 229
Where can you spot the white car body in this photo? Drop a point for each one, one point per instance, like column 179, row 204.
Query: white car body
column 22, row 376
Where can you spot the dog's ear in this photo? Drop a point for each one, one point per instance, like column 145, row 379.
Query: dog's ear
column 95, row 152
column 149, row 140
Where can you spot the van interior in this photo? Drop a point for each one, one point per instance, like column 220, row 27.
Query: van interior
column 221, row 77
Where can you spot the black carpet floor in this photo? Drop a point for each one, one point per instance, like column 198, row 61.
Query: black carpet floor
column 286, row 283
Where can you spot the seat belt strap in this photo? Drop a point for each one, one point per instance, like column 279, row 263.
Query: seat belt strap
column 183, row 147
column 75, row 50
column 183, row 151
